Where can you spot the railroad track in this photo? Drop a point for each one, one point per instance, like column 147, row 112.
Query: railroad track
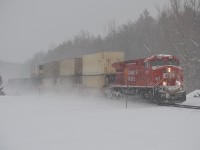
column 180, row 106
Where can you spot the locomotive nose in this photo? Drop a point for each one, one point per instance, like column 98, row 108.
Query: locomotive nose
column 171, row 76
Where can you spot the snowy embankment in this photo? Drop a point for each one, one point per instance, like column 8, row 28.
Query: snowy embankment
column 193, row 98
column 88, row 123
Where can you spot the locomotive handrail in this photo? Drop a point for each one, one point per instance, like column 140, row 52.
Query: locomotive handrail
column 158, row 82
column 156, row 85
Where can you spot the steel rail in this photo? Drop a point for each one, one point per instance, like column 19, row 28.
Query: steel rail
column 180, row 106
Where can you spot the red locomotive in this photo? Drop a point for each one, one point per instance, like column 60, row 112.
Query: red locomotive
column 158, row 78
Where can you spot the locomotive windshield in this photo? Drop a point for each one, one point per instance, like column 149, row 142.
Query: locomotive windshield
column 172, row 62
column 164, row 62
column 157, row 63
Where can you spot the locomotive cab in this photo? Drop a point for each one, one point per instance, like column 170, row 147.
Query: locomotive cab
column 166, row 77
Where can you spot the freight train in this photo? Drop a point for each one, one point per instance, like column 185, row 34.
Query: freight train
column 158, row 78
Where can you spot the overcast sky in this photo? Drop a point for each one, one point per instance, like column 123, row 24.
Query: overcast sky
column 29, row 26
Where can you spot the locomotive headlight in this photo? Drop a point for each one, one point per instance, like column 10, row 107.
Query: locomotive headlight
column 178, row 83
column 164, row 83
column 168, row 69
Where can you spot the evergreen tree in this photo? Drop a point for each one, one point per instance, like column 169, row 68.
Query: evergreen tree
column 1, row 87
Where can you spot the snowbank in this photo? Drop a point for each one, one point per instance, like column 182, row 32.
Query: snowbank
column 193, row 98
column 193, row 94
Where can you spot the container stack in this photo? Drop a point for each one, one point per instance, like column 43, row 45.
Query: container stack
column 91, row 71
column 61, row 74
column 51, row 69
column 71, row 67
column 50, row 74
column 96, row 67
column 70, row 72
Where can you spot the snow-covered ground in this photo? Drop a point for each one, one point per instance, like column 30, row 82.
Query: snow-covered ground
column 89, row 123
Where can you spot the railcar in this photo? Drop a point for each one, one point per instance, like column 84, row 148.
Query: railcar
column 158, row 78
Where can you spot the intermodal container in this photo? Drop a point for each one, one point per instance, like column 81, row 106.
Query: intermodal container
column 94, row 81
column 101, row 63
column 51, row 69
column 71, row 67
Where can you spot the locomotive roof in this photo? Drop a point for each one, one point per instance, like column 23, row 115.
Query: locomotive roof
column 160, row 56
column 123, row 63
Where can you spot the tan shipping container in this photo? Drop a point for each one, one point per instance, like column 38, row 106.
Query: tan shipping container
column 71, row 67
column 96, row 81
column 101, row 63
column 51, row 69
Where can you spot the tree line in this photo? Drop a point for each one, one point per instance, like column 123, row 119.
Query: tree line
column 175, row 31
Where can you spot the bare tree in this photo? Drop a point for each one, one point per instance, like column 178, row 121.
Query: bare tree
column 183, row 17
column 1, row 87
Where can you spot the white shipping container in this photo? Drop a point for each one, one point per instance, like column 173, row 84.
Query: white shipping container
column 98, row 81
column 71, row 67
column 101, row 63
